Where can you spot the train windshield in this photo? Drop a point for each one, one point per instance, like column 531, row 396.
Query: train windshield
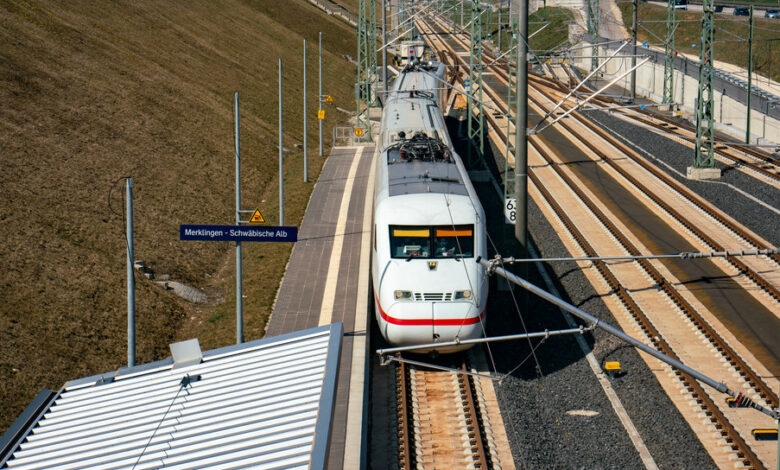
column 451, row 242
column 410, row 242
column 432, row 242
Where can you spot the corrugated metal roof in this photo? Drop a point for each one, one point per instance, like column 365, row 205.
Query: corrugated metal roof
column 263, row 404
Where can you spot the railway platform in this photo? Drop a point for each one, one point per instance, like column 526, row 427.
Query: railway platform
column 326, row 281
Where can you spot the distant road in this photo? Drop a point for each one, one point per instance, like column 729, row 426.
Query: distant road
column 728, row 9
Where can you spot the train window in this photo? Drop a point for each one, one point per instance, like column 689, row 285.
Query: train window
column 451, row 242
column 432, row 242
column 410, row 242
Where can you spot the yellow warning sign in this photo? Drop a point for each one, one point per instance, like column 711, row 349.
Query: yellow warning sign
column 257, row 217
column 358, row 131
column 321, row 114
column 329, row 99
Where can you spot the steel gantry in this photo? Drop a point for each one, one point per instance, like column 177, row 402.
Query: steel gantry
column 402, row 15
column 475, row 123
column 703, row 155
column 671, row 26
column 373, row 76
column 593, row 31
column 363, row 87
column 454, row 10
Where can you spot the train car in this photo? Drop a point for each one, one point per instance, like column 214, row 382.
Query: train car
column 429, row 226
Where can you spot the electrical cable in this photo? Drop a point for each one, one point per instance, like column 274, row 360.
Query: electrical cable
column 185, row 381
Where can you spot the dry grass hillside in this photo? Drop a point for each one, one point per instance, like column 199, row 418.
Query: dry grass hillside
column 731, row 35
column 95, row 91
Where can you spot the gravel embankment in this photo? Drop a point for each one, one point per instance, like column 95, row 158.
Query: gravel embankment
column 535, row 403
column 543, row 388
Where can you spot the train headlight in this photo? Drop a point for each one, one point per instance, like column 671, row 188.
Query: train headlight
column 403, row 295
column 462, row 294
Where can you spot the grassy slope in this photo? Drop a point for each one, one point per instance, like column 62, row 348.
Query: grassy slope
column 556, row 34
column 553, row 36
column 731, row 33
column 93, row 91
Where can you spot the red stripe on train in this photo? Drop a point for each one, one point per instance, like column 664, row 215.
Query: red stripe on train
column 427, row 321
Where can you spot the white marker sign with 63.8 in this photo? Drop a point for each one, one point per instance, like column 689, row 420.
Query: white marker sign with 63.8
column 510, row 208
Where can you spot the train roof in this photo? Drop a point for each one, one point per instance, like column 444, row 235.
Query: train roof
column 410, row 115
column 422, row 80
column 424, row 177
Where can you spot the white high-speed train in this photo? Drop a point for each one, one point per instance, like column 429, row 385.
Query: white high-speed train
column 429, row 227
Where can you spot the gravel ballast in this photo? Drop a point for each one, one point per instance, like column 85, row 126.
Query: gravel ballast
column 674, row 158
column 549, row 398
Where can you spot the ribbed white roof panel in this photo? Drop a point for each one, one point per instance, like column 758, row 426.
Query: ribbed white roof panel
column 258, row 404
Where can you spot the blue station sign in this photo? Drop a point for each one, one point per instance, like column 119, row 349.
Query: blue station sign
column 238, row 233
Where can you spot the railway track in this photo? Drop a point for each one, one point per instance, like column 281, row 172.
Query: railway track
column 738, row 155
column 723, row 358
column 440, row 419
column 599, row 140
column 596, row 147
column 666, row 294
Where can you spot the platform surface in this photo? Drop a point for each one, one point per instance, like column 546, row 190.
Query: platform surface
column 326, row 281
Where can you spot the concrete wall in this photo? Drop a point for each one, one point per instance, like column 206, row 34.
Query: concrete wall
column 730, row 113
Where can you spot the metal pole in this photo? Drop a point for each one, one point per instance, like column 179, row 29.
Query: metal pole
column 750, row 76
column 669, row 67
column 305, row 129
column 281, row 151
column 130, row 277
column 384, row 51
column 633, row 57
column 595, row 322
column 591, row 320
column 521, row 129
column 703, row 153
column 540, row 334
column 521, row 143
column 319, row 95
column 239, row 274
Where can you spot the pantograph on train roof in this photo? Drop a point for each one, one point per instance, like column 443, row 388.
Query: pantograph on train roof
column 422, row 164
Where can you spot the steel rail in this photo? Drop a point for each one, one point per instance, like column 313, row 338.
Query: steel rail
column 681, row 189
column 764, row 390
column 706, row 329
column 723, row 148
column 477, row 437
column 649, row 117
column 653, row 334
column 502, row 71
column 478, row 443
column 404, row 418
